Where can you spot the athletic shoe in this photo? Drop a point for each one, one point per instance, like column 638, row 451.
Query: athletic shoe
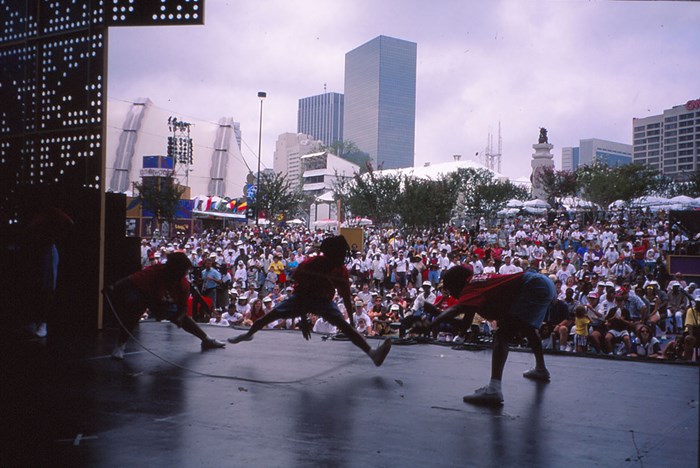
column 211, row 343
column 378, row 355
column 485, row 396
column 241, row 337
column 41, row 330
column 537, row 374
column 118, row 352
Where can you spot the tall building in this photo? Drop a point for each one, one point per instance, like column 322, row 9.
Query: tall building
column 380, row 101
column 321, row 117
column 289, row 149
column 593, row 150
column 669, row 142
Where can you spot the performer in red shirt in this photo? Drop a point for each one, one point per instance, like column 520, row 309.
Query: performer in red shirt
column 518, row 302
column 164, row 290
column 316, row 280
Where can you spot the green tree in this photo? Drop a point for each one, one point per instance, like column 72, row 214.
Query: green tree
column 277, row 196
column 558, row 184
column 426, row 202
column 481, row 194
column 160, row 196
column 603, row 185
column 369, row 195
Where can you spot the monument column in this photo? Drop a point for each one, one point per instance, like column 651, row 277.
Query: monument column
column 541, row 159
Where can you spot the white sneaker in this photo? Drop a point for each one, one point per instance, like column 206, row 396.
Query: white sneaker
column 458, row 339
column 41, row 330
column 118, row 352
column 485, row 396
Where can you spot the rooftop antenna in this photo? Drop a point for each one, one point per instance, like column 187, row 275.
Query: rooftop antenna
column 493, row 160
column 324, row 87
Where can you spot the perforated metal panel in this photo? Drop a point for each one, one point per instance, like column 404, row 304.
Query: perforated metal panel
column 53, row 71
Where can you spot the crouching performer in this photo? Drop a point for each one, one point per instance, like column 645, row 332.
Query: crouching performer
column 316, row 280
column 517, row 302
column 164, row 289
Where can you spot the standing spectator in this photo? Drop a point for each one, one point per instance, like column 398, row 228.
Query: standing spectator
column 211, row 279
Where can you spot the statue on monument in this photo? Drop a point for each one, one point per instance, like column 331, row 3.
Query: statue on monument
column 543, row 136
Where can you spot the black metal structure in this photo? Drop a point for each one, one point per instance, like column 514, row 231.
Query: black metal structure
column 53, row 84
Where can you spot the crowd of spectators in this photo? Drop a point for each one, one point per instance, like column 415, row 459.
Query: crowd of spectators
column 616, row 296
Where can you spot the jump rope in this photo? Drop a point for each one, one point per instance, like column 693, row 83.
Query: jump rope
column 216, row 376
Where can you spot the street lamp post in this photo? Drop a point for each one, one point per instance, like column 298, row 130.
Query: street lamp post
column 262, row 95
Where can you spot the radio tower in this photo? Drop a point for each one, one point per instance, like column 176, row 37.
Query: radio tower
column 493, row 160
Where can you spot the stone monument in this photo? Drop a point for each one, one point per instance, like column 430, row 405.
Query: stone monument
column 541, row 159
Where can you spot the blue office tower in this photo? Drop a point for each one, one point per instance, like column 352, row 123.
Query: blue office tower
column 380, row 101
column 321, row 117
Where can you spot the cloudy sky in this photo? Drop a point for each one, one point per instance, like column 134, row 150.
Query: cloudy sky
column 581, row 69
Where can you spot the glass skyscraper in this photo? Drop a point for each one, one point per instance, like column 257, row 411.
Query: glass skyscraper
column 321, row 117
column 380, row 101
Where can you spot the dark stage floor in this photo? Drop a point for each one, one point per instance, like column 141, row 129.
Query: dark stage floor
column 74, row 406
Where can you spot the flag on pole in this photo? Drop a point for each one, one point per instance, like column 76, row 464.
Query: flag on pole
column 232, row 205
column 242, row 206
column 208, row 205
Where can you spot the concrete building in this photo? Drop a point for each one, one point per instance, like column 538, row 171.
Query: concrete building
column 669, row 142
column 380, row 101
column 321, row 117
column 137, row 129
column 320, row 172
column 593, row 150
column 289, row 149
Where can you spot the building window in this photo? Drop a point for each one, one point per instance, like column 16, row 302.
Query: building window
column 672, row 118
column 639, row 129
column 685, row 131
column 654, row 146
column 653, row 160
column 670, row 133
column 687, row 123
column 654, row 132
column 685, row 153
column 670, row 126
column 669, row 148
column 685, row 116
column 653, row 153
column 686, row 138
column 670, row 154
column 686, row 145
column 654, row 125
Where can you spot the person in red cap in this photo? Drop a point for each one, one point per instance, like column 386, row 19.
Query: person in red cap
column 316, row 281
column 518, row 302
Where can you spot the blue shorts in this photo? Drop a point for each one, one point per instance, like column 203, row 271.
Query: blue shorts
column 297, row 305
column 536, row 295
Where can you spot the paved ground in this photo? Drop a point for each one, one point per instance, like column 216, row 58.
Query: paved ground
column 66, row 403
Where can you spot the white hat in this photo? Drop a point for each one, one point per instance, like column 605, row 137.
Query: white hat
column 427, row 283
column 673, row 284
column 267, row 299
column 394, row 307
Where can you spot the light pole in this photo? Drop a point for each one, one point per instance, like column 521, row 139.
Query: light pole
column 262, row 95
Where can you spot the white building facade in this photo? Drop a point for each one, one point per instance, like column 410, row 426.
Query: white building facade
column 669, row 142
column 289, row 149
column 139, row 128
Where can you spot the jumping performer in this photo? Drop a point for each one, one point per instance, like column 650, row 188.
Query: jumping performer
column 518, row 302
column 164, row 290
column 316, row 280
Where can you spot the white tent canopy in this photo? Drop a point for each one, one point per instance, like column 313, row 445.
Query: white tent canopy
column 537, row 203
column 514, row 203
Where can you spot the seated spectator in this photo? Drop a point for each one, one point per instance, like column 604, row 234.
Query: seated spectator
column 645, row 344
column 321, row 326
column 363, row 324
column 619, row 324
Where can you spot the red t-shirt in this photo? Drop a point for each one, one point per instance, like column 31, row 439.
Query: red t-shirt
column 491, row 295
column 152, row 282
column 318, row 277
